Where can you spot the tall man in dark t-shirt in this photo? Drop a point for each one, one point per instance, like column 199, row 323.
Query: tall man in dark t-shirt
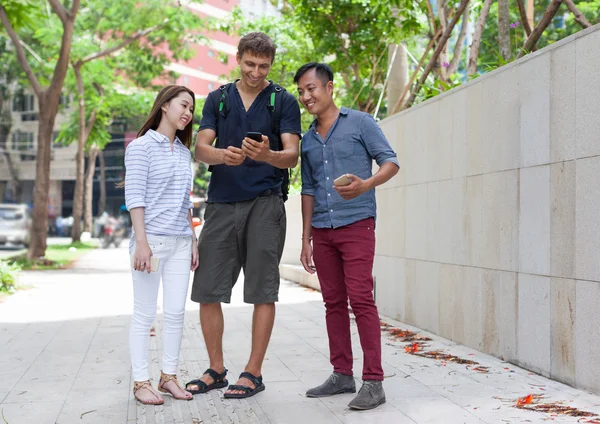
column 245, row 219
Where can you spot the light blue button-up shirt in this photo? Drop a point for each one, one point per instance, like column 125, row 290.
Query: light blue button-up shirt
column 352, row 143
column 159, row 179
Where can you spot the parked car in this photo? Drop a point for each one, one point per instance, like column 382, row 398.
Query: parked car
column 15, row 221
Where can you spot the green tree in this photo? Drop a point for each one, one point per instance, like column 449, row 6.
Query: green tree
column 23, row 21
column 123, row 41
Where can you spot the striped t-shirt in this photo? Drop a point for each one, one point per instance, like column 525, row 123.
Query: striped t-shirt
column 160, row 181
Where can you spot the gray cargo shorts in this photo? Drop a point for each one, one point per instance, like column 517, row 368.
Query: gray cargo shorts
column 242, row 235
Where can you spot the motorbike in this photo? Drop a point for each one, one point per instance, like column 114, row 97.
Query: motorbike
column 114, row 233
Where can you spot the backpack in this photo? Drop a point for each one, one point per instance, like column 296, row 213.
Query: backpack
column 274, row 107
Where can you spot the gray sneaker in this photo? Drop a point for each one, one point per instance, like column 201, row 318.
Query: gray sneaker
column 336, row 384
column 370, row 396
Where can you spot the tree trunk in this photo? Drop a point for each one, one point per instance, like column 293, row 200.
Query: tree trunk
column 399, row 105
column 80, row 160
column 39, row 227
column 443, row 40
column 504, row 29
column 102, row 200
column 89, row 189
column 532, row 40
column 48, row 104
column 398, row 74
column 474, row 51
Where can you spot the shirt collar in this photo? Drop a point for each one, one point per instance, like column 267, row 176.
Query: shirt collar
column 160, row 137
column 343, row 111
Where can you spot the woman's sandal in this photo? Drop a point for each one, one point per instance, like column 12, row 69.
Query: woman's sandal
column 165, row 378
column 145, row 385
column 219, row 382
column 248, row 391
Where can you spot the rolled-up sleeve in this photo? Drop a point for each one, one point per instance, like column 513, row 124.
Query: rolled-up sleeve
column 136, row 175
column 376, row 143
column 308, row 182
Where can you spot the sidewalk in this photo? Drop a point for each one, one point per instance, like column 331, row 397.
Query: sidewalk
column 65, row 360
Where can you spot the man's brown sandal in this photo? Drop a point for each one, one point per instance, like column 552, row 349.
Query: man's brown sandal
column 145, row 385
column 165, row 378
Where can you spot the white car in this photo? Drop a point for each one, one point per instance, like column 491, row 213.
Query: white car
column 15, row 222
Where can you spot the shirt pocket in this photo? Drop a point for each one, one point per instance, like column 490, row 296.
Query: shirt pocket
column 345, row 145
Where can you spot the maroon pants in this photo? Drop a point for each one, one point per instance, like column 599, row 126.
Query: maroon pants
column 344, row 261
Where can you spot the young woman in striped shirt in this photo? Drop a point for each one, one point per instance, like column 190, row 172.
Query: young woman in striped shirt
column 158, row 179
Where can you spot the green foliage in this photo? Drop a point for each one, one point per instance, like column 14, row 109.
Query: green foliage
column 201, row 180
column 8, row 276
column 121, row 85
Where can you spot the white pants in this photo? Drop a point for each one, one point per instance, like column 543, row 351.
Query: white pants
column 174, row 253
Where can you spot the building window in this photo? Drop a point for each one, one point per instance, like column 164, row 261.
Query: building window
column 186, row 80
column 25, row 117
column 210, row 53
column 200, row 68
column 23, row 142
column 211, row 86
column 23, row 103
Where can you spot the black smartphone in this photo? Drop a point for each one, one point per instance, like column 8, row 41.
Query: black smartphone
column 256, row 136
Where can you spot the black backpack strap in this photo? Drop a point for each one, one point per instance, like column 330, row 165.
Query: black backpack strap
column 274, row 106
column 221, row 109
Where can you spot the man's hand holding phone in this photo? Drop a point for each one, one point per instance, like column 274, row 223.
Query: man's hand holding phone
column 256, row 146
column 350, row 186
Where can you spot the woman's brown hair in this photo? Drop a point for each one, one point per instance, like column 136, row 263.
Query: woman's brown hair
column 165, row 96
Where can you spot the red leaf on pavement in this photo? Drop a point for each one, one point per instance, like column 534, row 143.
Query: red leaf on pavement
column 525, row 401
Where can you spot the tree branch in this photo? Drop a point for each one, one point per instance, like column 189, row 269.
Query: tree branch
column 432, row 25
column 474, row 51
column 124, row 43
column 74, row 8
column 35, row 85
column 60, row 10
column 438, row 50
column 399, row 102
column 577, row 14
column 540, row 27
column 458, row 47
column 523, row 15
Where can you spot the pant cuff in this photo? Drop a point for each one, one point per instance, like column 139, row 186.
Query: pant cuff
column 372, row 377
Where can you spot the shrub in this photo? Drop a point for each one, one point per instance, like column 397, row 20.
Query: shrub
column 8, row 276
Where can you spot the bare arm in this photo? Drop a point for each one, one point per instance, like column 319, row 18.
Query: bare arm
column 288, row 157
column 308, row 205
column 142, row 254
column 194, row 264
column 205, row 151
column 306, row 257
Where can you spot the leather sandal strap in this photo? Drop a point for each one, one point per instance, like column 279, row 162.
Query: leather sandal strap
column 137, row 385
column 165, row 378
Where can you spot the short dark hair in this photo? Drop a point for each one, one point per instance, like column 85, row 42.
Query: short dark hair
column 322, row 71
column 257, row 43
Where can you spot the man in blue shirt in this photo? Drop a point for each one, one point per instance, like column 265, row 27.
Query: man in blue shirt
column 244, row 222
column 338, row 217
